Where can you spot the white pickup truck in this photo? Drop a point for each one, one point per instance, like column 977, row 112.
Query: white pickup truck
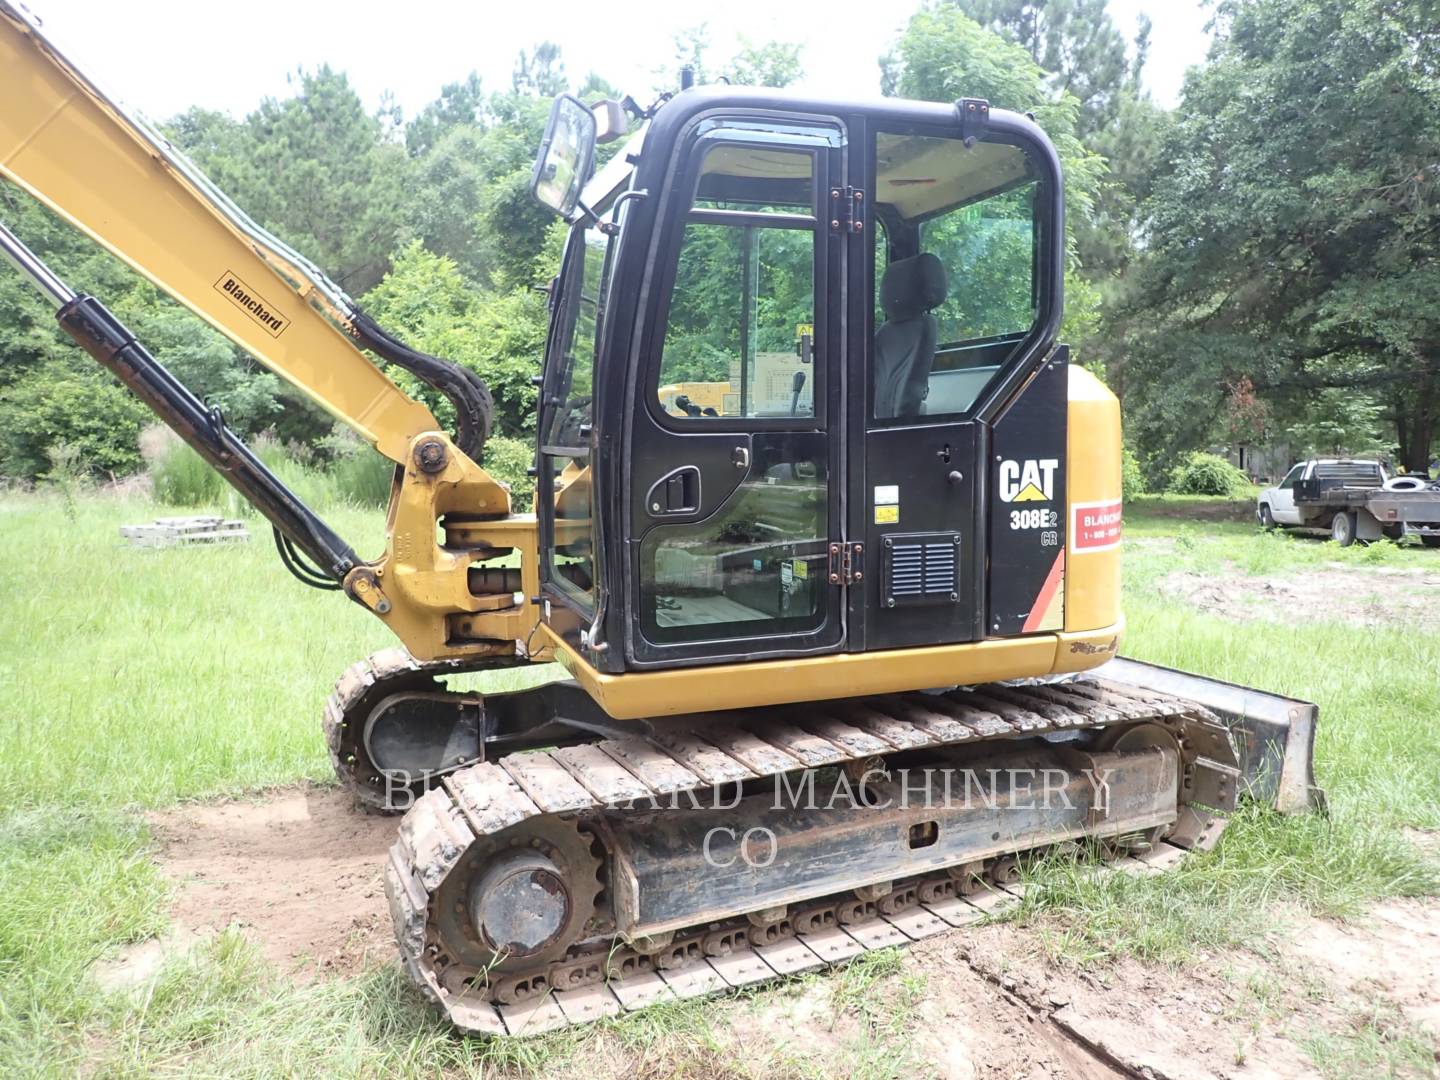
column 1353, row 500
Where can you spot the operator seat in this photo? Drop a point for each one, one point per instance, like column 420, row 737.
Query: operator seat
column 905, row 345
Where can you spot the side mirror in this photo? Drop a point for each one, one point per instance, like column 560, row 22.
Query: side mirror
column 566, row 156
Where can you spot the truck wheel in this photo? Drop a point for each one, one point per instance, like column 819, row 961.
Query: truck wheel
column 1430, row 541
column 1267, row 519
column 1342, row 528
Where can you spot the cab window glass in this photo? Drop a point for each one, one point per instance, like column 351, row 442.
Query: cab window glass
column 739, row 337
column 955, row 278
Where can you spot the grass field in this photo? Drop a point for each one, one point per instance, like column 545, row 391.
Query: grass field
column 132, row 679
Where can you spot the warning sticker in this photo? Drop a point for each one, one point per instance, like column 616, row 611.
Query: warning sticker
column 887, row 515
column 1094, row 526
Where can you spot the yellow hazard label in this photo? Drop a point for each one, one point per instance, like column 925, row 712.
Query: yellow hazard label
column 802, row 568
column 803, row 330
column 887, row 515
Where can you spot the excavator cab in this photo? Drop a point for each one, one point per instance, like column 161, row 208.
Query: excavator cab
column 787, row 336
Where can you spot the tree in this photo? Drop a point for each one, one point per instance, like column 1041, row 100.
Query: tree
column 460, row 105
column 1076, row 42
column 772, row 63
column 539, row 72
column 427, row 301
column 944, row 55
column 314, row 169
column 775, row 63
column 1292, row 234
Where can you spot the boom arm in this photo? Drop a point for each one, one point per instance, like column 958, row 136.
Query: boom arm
column 64, row 141
column 111, row 176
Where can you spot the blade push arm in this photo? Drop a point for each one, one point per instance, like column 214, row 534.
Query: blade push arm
column 65, row 142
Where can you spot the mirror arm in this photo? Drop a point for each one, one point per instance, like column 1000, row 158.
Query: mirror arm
column 612, row 227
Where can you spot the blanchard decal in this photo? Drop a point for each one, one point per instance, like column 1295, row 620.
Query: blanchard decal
column 1031, row 480
column 248, row 301
column 1095, row 526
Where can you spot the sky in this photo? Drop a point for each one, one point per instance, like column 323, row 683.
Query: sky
column 162, row 56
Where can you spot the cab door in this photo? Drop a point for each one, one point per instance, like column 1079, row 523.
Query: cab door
column 1283, row 508
column 732, row 498
column 956, row 298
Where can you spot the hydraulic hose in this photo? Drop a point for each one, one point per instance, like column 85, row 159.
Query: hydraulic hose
column 474, row 406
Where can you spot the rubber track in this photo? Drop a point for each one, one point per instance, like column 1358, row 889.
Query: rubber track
column 488, row 798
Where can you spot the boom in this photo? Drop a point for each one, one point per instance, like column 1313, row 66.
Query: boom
column 72, row 147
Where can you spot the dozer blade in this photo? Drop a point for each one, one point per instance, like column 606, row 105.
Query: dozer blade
column 1274, row 735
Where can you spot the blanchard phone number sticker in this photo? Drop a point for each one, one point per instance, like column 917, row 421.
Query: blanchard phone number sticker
column 1095, row 526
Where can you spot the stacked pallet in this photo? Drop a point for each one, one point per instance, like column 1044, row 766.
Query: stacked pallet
column 172, row 531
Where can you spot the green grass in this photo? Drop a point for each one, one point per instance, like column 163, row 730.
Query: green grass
column 135, row 675
column 1374, row 756
column 135, row 678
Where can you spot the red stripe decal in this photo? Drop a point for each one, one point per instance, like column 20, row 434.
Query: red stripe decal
column 1047, row 594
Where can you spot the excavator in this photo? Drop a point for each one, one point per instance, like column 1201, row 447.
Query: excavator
column 826, row 543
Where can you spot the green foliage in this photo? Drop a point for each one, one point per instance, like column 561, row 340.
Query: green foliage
column 1291, row 229
column 1338, row 422
column 314, row 169
column 1075, row 42
column 1132, row 477
column 427, row 301
column 363, row 478
column 510, row 460
column 772, row 63
column 181, row 477
column 62, row 401
column 1207, row 474
column 944, row 55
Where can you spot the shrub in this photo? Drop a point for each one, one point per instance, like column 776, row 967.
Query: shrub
column 509, row 460
column 181, row 477
column 1207, row 474
column 358, row 475
column 362, row 477
column 1132, row 478
column 87, row 410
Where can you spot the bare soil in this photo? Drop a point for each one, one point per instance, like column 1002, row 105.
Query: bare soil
column 1359, row 596
column 299, row 872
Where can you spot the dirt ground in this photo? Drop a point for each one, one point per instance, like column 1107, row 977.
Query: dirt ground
column 299, row 871
column 1360, row 596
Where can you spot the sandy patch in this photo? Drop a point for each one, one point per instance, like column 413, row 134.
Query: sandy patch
column 1393, row 953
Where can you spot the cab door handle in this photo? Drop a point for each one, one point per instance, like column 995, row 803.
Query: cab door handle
column 677, row 492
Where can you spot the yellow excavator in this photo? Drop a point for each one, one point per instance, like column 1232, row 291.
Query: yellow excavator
column 839, row 632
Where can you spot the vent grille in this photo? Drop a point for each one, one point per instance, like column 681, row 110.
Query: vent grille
column 920, row 568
